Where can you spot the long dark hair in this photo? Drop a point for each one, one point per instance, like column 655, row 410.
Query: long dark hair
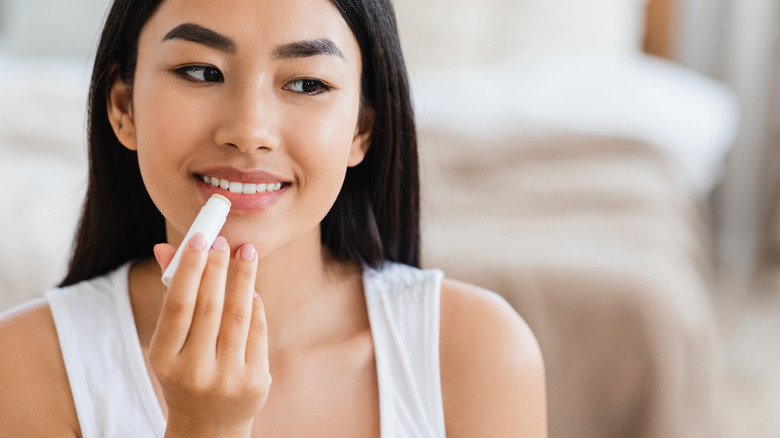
column 376, row 215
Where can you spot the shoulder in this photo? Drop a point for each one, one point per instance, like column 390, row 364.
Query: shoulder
column 492, row 369
column 36, row 399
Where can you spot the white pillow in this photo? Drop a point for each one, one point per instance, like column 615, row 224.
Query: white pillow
column 690, row 118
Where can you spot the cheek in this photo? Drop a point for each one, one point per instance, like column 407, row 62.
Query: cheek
column 321, row 148
column 165, row 113
column 166, row 129
column 167, row 121
column 325, row 142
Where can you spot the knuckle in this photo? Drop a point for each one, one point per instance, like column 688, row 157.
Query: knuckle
column 238, row 316
column 258, row 326
column 197, row 380
column 226, row 389
column 264, row 382
column 208, row 306
column 258, row 382
column 177, row 304
column 243, row 274
column 161, row 366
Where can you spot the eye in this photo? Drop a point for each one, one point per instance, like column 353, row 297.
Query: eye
column 202, row 73
column 307, row 86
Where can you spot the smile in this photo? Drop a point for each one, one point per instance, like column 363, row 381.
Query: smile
column 238, row 187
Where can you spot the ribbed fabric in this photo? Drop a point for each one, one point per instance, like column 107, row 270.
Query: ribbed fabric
column 113, row 392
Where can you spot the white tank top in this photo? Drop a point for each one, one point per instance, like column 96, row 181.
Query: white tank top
column 113, row 392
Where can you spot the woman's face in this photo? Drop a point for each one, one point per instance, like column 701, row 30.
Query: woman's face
column 261, row 98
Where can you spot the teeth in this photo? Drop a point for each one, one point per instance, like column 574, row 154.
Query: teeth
column 237, row 187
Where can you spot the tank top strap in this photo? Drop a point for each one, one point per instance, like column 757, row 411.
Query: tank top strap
column 404, row 313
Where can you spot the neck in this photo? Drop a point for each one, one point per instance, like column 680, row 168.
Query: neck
column 300, row 288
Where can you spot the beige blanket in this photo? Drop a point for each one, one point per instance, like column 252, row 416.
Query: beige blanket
column 594, row 244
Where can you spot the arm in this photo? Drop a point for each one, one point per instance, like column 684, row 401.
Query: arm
column 35, row 398
column 493, row 380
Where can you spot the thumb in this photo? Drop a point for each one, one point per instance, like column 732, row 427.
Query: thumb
column 164, row 252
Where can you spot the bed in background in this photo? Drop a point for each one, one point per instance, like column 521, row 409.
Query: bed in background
column 568, row 170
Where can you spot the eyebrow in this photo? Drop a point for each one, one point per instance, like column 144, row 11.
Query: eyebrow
column 299, row 49
column 305, row 49
column 201, row 35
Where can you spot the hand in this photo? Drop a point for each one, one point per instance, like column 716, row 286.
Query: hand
column 210, row 348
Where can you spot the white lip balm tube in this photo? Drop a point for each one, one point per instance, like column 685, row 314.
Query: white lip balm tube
column 209, row 221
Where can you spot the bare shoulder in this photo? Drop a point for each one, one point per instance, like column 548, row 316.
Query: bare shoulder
column 492, row 369
column 36, row 399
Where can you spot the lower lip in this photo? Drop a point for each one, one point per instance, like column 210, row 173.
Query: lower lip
column 241, row 202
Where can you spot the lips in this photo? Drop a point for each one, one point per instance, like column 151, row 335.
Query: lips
column 249, row 191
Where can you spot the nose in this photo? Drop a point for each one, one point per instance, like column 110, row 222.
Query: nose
column 248, row 120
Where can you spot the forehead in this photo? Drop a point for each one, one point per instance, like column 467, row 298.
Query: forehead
column 255, row 25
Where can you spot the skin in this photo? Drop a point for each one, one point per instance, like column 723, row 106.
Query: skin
column 264, row 334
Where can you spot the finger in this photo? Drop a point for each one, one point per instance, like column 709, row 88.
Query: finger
column 237, row 314
column 164, row 252
column 211, row 296
column 257, row 340
column 179, row 302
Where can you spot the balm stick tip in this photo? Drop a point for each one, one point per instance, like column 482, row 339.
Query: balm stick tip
column 222, row 198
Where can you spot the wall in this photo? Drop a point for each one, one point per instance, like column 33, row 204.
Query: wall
column 735, row 41
column 51, row 27
column 466, row 33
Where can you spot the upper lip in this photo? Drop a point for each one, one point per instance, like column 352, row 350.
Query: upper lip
column 243, row 176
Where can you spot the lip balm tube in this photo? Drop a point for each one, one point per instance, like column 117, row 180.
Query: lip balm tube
column 209, row 221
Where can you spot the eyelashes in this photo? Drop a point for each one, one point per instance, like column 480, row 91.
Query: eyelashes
column 211, row 74
column 311, row 87
column 201, row 73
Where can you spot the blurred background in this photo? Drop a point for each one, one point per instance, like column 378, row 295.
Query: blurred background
column 608, row 166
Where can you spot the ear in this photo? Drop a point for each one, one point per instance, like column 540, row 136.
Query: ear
column 363, row 135
column 120, row 112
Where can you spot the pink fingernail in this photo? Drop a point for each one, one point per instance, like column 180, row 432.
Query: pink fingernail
column 156, row 256
column 198, row 241
column 220, row 243
column 248, row 252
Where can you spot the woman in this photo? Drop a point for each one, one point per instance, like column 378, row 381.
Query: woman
column 308, row 316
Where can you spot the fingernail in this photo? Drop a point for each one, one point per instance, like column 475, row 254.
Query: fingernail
column 198, row 241
column 257, row 296
column 220, row 243
column 156, row 256
column 248, row 252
